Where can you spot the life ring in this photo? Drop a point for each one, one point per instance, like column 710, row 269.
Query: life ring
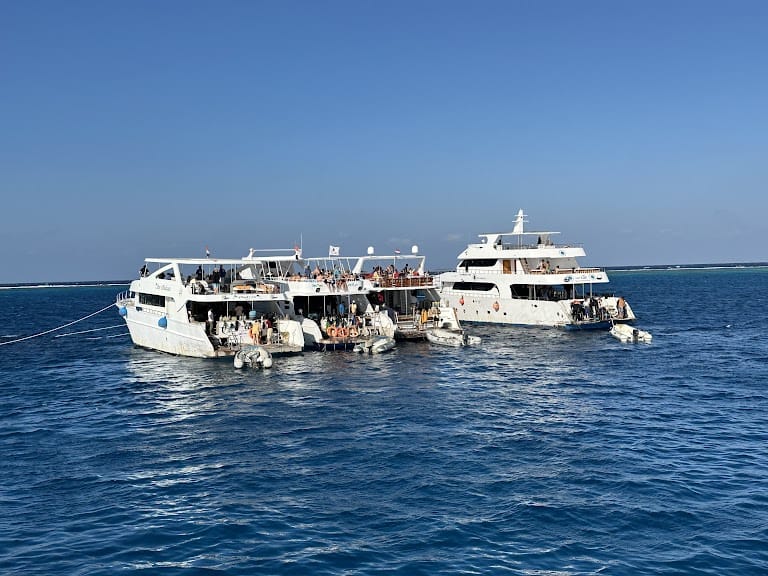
column 496, row 306
column 331, row 331
column 353, row 332
column 342, row 332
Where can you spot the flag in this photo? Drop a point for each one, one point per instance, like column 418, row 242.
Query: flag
column 207, row 252
column 333, row 250
column 397, row 251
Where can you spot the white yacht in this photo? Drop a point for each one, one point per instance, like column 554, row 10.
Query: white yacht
column 343, row 301
column 402, row 287
column 207, row 308
column 525, row 278
column 323, row 296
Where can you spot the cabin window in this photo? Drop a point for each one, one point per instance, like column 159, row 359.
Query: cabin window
column 152, row 300
column 520, row 290
column 478, row 263
column 474, row 286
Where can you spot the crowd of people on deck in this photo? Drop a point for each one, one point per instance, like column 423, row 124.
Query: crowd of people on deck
column 593, row 309
column 589, row 309
column 336, row 278
column 545, row 267
column 260, row 330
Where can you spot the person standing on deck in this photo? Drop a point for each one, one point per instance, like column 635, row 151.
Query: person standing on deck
column 211, row 320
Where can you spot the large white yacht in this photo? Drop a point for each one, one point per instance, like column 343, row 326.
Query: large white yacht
column 341, row 300
column 524, row 278
column 207, row 308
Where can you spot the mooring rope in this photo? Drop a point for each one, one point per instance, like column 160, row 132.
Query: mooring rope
column 87, row 331
column 57, row 328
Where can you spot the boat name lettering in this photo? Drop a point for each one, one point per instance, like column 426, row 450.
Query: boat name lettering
column 579, row 278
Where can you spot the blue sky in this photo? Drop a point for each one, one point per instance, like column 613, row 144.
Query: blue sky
column 133, row 129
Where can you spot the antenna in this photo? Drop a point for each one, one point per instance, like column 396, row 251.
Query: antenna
column 519, row 220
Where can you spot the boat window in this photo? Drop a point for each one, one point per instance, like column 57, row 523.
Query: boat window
column 152, row 299
column 474, row 286
column 478, row 263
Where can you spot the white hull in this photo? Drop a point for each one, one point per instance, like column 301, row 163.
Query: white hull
column 177, row 338
column 520, row 312
column 190, row 339
column 494, row 310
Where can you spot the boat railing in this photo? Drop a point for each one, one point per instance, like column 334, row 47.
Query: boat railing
column 258, row 287
column 567, row 271
column 236, row 287
column 404, row 282
column 508, row 246
column 340, row 285
column 124, row 298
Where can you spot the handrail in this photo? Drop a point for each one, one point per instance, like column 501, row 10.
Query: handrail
column 568, row 271
column 507, row 246
column 405, row 282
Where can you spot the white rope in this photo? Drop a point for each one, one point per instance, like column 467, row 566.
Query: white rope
column 86, row 331
column 57, row 328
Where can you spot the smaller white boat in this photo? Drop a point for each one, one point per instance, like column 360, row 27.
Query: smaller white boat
column 375, row 345
column 626, row 333
column 253, row 356
column 448, row 331
column 455, row 338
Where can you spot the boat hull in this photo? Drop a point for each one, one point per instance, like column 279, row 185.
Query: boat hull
column 588, row 326
column 491, row 309
column 176, row 338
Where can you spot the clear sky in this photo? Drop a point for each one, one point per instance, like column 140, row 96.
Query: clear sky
column 146, row 128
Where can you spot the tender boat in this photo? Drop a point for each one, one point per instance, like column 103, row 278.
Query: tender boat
column 455, row 338
column 524, row 278
column 208, row 308
column 449, row 332
column 253, row 356
column 375, row 345
column 629, row 334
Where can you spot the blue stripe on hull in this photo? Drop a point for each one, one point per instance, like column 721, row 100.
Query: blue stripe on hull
column 602, row 325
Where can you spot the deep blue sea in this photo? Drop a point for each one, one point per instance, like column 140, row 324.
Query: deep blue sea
column 539, row 452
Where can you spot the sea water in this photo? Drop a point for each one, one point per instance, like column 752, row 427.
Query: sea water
column 537, row 452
